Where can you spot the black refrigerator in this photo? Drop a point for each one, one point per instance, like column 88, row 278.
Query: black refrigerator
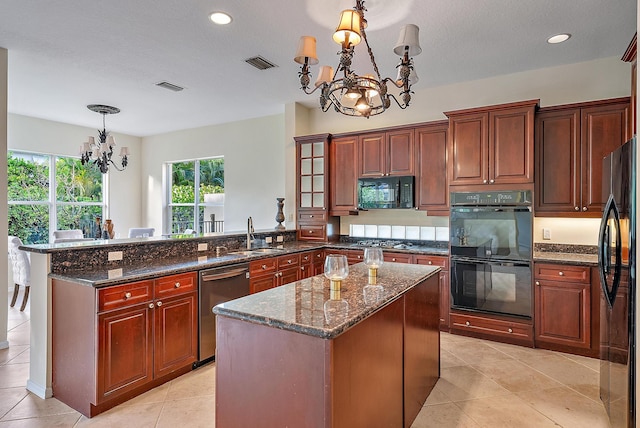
column 616, row 261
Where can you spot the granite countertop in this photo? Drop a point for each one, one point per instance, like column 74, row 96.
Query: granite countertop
column 566, row 258
column 306, row 306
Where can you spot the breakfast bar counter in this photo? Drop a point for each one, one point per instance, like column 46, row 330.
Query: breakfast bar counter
column 302, row 355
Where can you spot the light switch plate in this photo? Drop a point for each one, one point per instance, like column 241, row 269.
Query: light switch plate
column 115, row 255
column 546, row 233
column 114, row 273
column 202, row 246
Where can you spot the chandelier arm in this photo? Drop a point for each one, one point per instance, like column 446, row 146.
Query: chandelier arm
column 402, row 106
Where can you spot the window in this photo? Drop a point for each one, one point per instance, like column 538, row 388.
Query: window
column 195, row 195
column 51, row 192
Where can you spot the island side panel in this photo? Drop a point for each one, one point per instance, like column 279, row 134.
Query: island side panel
column 421, row 345
column 367, row 371
column 270, row 377
column 74, row 344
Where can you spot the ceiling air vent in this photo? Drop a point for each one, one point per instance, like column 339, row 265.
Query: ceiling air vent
column 260, row 63
column 170, row 86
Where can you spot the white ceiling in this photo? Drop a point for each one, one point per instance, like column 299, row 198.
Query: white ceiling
column 66, row 54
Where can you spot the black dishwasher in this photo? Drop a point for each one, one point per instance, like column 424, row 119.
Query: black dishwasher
column 215, row 286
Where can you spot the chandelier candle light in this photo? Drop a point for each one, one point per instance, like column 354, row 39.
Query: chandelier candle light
column 349, row 93
column 99, row 153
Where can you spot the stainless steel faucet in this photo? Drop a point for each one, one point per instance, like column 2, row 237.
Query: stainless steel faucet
column 250, row 232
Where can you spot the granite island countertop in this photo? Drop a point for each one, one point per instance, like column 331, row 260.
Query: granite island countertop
column 307, row 306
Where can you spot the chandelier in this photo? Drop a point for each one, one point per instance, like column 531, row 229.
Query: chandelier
column 99, row 152
column 349, row 93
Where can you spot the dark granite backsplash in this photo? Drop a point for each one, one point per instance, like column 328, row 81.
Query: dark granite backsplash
column 565, row 248
column 144, row 252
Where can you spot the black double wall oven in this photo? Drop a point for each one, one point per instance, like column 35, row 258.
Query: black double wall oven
column 491, row 239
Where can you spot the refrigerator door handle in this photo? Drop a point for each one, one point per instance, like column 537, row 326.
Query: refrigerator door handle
column 604, row 251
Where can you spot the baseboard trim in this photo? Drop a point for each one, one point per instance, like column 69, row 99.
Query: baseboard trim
column 39, row 390
column 4, row 344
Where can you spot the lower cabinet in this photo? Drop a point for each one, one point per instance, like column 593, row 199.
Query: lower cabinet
column 353, row 256
column 445, row 286
column 272, row 272
column 122, row 340
column 502, row 329
column 564, row 318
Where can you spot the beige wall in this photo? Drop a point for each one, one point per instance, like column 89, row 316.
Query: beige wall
column 45, row 136
column 593, row 80
column 254, row 156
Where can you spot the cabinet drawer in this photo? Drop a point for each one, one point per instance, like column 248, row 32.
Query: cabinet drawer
column 421, row 259
column 120, row 296
column 288, row 261
column 491, row 326
column 312, row 216
column 564, row 273
column 259, row 267
column 397, row 257
column 312, row 232
column 175, row 285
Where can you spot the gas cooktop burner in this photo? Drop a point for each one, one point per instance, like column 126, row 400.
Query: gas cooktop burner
column 385, row 244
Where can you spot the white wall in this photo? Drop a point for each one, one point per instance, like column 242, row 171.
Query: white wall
column 4, row 262
column 45, row 136
column 254, row 166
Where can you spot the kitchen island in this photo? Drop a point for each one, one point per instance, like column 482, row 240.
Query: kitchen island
column 302, row 355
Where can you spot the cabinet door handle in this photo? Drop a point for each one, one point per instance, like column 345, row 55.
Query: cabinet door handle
column 264, row 267
column 311, row 216
column 577, row 208
column 127, row 295
column 393, row 259
column 289, row 261
column 301, row 267
column 492, row 181
column 359, row 257
column 310, row 232
column 484, row 181
column 561, row 273
column 537, row 282
column 151, row 305
column 510, row 330
column 584, row 208
column 158, row 304
column 176, row 285
column 467, row 323
column 430, row 262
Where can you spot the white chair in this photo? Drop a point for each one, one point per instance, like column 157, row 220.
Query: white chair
column 140, row 232
column 21, row 270
column 67, row 235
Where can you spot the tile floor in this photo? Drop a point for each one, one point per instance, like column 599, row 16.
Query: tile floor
column 483, row 384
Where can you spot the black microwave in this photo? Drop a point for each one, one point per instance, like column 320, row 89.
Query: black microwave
column 385, row 192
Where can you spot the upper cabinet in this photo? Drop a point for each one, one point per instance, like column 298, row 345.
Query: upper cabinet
column 344, row 175
column 630, row 55
column 431, row 189
column 312, row 195
column 492, row 145
column 571, row 142
column 387, row 153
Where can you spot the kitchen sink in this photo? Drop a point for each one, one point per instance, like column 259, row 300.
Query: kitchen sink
column 258, row 251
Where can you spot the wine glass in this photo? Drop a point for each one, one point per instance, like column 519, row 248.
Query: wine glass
column 336, row 269
column 373, row 258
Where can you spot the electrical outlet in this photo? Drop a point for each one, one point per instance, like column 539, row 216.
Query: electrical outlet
column 202, row 246
column 114, row 273
column 290, row 216
column 115, row 255
column 279, row 238
column 546, row 233
column 268, row 240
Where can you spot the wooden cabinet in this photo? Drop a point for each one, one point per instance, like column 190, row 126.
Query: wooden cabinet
column 353, row 256
column 390, row 256
column 312, row 195
column 122, row 340
column 503, row 329
column 311, row 263
column 445, row 286
column 387, row 153
column 272, row 272
column 431, row 186
column 492, row 145
column 343, row 176
column 571, row 142
column 562, row 306
column 630, row 55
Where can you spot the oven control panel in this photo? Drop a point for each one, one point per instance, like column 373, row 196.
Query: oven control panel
column 506, row 197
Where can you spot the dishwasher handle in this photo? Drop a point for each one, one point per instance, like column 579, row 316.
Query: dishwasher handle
column 224, row 275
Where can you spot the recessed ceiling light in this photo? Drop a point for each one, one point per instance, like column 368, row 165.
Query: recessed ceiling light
column 220, row 18
column 558, row 38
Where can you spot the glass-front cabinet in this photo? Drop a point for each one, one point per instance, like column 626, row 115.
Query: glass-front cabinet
column 314, row 223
